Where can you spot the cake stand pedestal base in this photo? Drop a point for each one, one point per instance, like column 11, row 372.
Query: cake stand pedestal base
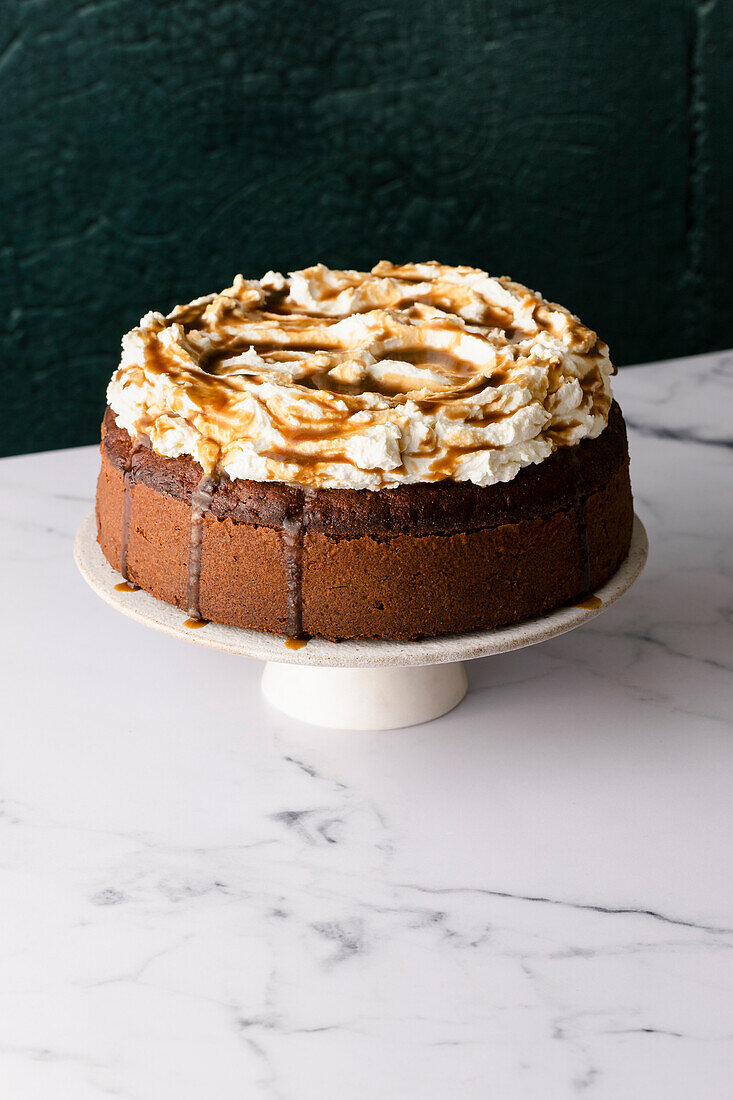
column 360, row 684
column 364, row 698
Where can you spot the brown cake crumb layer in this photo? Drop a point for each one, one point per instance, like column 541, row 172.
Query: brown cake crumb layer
column 403, row 562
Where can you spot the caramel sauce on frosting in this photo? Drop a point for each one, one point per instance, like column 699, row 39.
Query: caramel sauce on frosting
column 413, row 372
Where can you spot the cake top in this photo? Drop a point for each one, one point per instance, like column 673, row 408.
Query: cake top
column 348, row 379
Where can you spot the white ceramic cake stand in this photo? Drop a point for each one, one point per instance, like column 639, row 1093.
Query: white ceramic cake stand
column 357, row 684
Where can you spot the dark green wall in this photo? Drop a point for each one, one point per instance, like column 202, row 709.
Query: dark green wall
column 152, row 149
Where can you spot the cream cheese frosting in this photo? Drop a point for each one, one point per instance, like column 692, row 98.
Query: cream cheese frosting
column 348, row 379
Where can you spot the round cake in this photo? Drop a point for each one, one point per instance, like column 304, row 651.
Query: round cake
column 412, row 451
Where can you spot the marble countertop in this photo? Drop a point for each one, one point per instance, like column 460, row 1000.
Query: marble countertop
column 530, row 897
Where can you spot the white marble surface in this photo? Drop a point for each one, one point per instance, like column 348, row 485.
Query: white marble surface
column 531, row 897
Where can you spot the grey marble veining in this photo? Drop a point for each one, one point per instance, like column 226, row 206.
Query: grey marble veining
column 530, row 897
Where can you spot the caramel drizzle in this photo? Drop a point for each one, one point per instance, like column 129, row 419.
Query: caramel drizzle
column 126, row 516
column 592, row 603
column 200, row 503
column 293, row 538
column 128, row 480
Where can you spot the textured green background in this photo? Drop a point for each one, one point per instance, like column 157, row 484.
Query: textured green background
column 152, row 149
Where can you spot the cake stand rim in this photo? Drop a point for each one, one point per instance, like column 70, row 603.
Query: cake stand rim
column 356, row 653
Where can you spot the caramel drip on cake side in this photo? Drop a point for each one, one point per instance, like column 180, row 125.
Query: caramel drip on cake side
column 128, row 478
column 201, row 498
column 293, row 538
column 126, row 517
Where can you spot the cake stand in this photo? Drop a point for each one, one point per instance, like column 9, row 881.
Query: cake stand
column 358, row 684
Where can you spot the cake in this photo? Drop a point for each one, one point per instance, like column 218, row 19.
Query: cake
column 412, row 451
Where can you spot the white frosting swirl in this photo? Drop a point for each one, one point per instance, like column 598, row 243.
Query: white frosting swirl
column 343, row 379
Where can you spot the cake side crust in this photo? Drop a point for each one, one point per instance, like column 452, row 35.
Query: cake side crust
column 382, row 581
